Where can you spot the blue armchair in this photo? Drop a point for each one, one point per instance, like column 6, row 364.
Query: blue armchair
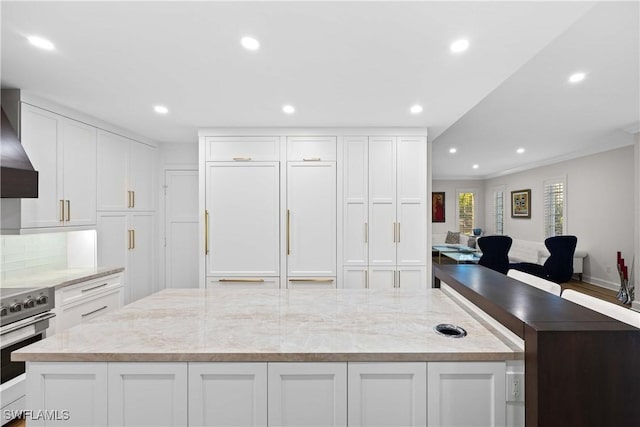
column 558, row 267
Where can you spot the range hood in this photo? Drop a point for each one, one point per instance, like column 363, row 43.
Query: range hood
column 18, row 179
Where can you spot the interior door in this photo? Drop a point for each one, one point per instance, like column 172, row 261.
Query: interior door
column 243, row 201
column 181, row 229
column 311, row 218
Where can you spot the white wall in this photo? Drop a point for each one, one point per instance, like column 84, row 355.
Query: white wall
column 600, row 208
column 451, row 188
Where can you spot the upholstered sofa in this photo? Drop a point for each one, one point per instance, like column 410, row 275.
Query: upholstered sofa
column 536, row 252
column 439, row 238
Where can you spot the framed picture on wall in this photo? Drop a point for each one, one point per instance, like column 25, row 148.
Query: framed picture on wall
column 437, row 207
column 521, row 204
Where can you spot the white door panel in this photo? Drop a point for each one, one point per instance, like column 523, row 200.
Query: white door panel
column 311, row 204
column 141, row 278
column 181, row 229
column 411, row 278
column 243, row 202
column 355, row 278
column 112, row 240
column 356, row 201
column 382, row 234
column 141, row 176
column 113, row 168
column 411, row 249
column 382, row 277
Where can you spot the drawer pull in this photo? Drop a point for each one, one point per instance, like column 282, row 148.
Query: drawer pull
column 312, row 280
column 95, row 311
column 94, row 288
column 68, row 211
column 242, row 280
column 311, row 159
column 242, row 159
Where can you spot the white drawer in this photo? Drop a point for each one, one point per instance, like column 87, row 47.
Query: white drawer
column 76, row 314
column 239, row 149
column 311, row 148
column 311, row 282
column 243, row 282
column 87, row 289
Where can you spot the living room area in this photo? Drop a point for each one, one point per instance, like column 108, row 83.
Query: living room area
column 591, row 197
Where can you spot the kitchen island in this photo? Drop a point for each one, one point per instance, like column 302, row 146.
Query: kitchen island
column 278, row 357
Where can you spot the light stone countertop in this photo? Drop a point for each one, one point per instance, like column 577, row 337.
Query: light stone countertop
column 278, row 325
column 59, row 278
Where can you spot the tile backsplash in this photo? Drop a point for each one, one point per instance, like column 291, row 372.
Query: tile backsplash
column 39, row 253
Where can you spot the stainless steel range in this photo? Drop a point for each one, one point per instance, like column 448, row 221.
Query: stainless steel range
column 24, row 319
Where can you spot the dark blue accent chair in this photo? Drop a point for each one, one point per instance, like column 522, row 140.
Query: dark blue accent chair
column 495, row 252
column 558, row 267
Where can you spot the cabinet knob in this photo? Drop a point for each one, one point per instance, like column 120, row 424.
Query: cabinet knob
column 42, row 299
column 29, row 303
column 15, row 307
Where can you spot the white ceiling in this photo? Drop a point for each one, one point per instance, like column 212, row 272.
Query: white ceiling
column 344, row 64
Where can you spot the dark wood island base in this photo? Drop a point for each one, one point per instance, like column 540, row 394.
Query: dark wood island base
column 581, row 368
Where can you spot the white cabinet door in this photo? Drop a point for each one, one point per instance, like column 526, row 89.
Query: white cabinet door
column 356, row 201
column 411, row 199
column 411, row 278
column 141, row 176
column 86, row 310
column 466, row 393
column 79, row 172
column 307, row 394
column 382, row 277
column 40, row 136
column 388, row 394
column 75, row 392
column 311, row 148
column 382, row 201
column 311, row 218
column 113, row 168
column 355, row 278
column 227, row 394
column 113, row 240
column 141, row 275
column 147, row 394
column 243, row 202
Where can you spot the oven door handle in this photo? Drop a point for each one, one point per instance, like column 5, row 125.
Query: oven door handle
column 29, row 322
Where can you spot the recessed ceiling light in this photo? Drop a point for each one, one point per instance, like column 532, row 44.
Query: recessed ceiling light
column 476, row 166
column 520, row 150
column 160, row 109
column 453, row 150
column 459, row 45
column 250, row 43
column 41, row 43
column 577, row 77
column 416, row 109
column 289, row 109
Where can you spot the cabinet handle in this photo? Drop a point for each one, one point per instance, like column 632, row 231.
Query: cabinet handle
column 398, row 232
column 288, row 232
column 129, row 239
column 95, row 311
column 242, row 280
column 68, row 210
column 94, row 288
column 317, row 280
column 311, row 159
column 206, row 232
column 398, row 279
column 133, row 199
column 394, row 232
column 61, row 210
column 128, row 199
column 366, row 279
column 133, row 240
column 242, row 159
column 366, row 232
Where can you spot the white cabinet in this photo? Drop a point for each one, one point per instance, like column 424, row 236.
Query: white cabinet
column 243, row 282
column 311, row 219
column 227, row 394
column 243, row 218
column 384, row 209
column 388, row 394
column 242, row 148
column 355, row 278
column 127, row 239
column 76, row 393
column 63, row 151
column 466, row 393
column 87, row 300
column 311, row 148
column 126, row 174
column 147, row 394
column 307, row 394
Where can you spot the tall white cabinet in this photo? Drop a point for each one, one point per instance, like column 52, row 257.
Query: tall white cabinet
column 321, row 208
column 385, row 212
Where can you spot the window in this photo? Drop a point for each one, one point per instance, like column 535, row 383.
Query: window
column 554, row 207
column 466, row 211
column 498, row 210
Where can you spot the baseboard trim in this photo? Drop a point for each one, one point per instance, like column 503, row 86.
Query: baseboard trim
column 602, row 283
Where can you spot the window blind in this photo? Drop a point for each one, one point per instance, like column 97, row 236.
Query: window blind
column 554, row 207
column 465, row 212
column 498, row 212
